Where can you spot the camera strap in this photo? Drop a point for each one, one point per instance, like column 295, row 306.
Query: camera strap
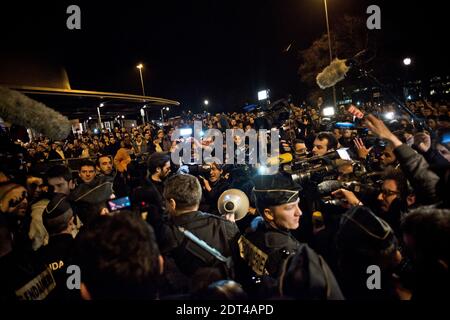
column 214, row 252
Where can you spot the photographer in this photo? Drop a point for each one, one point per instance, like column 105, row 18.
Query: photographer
column 324, row 143
column 213, row 187
column 415, row 167
column 391, row 201
column 149, row 196
column 346, row 139
column 300, row 150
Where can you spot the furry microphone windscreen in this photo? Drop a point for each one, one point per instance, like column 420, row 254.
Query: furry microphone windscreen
column 17, row 108
column 332, row 74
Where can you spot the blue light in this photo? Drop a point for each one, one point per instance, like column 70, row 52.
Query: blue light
column 445, row 138
column 344, row 125
column 262, row 170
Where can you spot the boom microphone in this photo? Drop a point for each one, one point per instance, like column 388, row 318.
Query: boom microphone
column 337, row 70
column 332, row 74
column 18, row 109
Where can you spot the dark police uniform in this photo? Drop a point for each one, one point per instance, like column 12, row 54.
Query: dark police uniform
column 58, row 256
column 266, row 247
column 24, row 277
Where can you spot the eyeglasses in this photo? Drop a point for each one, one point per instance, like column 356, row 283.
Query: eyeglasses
column 388, row 193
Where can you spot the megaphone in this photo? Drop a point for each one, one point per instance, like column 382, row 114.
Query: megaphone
column 233, row 202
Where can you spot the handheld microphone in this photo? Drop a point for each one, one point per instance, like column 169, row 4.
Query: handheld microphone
column 281, row 159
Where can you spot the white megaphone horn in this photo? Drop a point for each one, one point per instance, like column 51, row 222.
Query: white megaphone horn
column 233, row 203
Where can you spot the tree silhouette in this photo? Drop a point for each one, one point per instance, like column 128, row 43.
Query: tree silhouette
column 348, row 37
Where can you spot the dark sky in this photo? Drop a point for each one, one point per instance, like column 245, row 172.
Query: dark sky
column 221, row 50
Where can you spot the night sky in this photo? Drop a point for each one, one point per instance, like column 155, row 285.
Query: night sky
column 224, row 51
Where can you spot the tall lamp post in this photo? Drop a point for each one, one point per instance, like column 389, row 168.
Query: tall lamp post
column 140, row 66
column 407, row 63
column 100, row 124
column 329, row 46
column 162, row 113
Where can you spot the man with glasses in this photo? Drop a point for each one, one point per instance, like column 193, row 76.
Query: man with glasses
column 391, row 201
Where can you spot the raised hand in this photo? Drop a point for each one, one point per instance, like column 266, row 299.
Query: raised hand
column 422, row 141
column 361, row 148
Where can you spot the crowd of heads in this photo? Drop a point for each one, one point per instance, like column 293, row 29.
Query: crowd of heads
column 53, row 188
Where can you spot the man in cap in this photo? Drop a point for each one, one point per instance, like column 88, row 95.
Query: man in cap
column 89, row 199
column 58, row 219
column 306, row 276
column 364, row 240
column 266, row 246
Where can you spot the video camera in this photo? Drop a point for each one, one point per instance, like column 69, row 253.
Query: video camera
column 272, row 115
column 327, row 171
column 326, row 187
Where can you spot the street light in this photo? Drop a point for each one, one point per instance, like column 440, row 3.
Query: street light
column 206, row 102
column 329, row 46
column 143, row 114
column 140, row 66
column 406, row 62
column 99, row 116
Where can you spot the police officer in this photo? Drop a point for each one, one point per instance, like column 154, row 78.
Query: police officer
column 58, row 254
column 265, row 246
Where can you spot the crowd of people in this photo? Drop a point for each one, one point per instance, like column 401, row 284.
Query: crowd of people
column 139, row 226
